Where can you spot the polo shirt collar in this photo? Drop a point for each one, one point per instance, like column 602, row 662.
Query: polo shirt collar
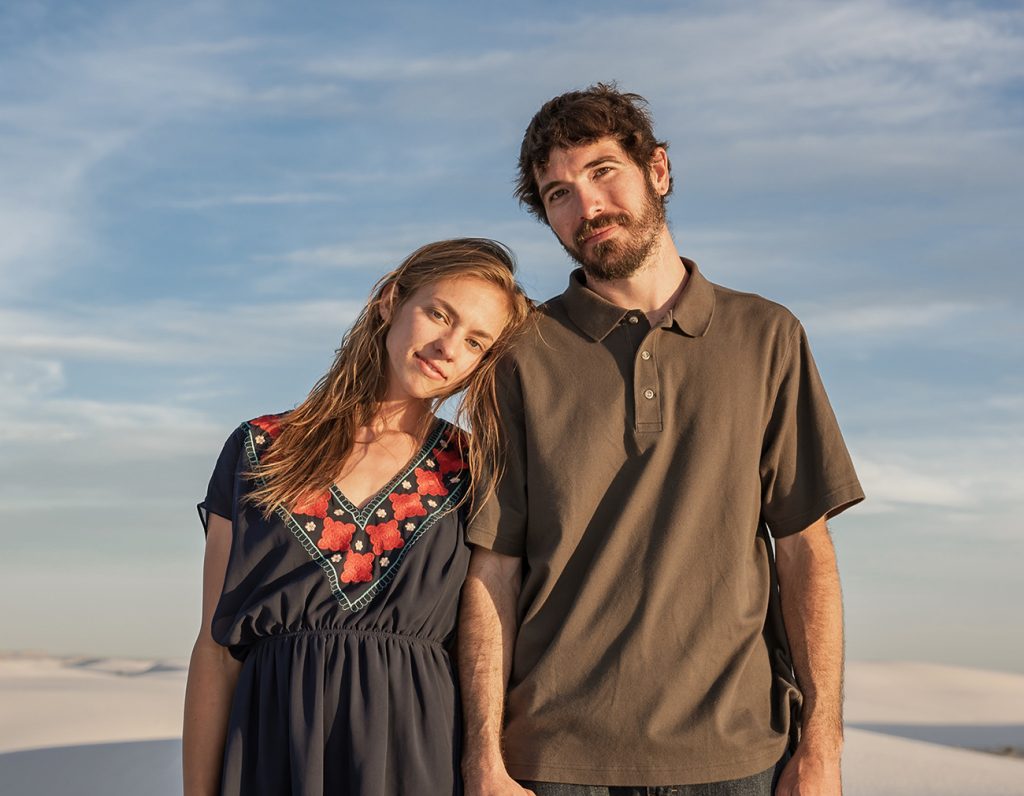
column 596, row 317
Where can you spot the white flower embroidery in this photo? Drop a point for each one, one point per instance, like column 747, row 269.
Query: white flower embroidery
column 409, row 526
column 381, row 513
column 338, row 512
column 432, row 504
column 259, row 439
column 430, row 462
column 456, row 480
column 385, row 561
column 336, row 558
column 311, row 526
column 406, row 484
column 358, row 545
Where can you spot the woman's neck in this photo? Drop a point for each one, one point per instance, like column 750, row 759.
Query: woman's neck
column 409, row 417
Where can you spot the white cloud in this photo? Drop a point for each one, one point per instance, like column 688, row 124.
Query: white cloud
column 172, row 331
column 377, row 67
column 976, row 474
column 890, row 485
column 887, row 319
column 259, row 199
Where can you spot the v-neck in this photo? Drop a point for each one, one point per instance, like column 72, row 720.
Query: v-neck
column 362, row 512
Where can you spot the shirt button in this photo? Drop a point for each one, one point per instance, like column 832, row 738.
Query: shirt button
column 648, row 394
column 645, row 355
column 634, row 319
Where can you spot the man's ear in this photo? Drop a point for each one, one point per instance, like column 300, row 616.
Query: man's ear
column 387, row 301
column 661, row 177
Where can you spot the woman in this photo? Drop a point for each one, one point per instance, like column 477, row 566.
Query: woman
column 335, row 549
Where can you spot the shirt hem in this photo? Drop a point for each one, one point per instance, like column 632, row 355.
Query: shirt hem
column 648, row 775
column 828, row 505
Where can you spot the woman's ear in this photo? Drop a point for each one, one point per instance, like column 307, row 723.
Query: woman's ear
column 387, row 301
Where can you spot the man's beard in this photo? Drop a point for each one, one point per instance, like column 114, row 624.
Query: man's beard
column 619, row 259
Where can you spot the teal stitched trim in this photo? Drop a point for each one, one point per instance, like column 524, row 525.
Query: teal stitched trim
column 289, row 521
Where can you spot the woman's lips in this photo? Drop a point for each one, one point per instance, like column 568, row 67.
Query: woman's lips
column 431, row 370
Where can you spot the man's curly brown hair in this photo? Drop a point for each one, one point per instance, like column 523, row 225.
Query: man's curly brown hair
column 582, row 117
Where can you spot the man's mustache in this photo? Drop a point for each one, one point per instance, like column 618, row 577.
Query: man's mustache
column 590, row 226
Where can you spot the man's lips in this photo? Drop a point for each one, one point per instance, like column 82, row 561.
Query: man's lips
column 430, row 369
column 598, row 235
column 598, row 229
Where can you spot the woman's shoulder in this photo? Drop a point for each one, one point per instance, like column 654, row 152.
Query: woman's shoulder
column 266, row 424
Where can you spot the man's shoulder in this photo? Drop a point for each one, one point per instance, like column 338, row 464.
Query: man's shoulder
column 751, row 311
column 551, row 316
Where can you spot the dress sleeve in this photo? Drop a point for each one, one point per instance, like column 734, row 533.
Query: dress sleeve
column 220, row 494
column 806, row 470
column 500, row 523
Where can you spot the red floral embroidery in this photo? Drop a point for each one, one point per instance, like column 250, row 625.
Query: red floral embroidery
column 430, row 483
column 358, row 567
column 407, row 506
column 269, row 423
column 336, row 535
column 385, row 536
column 314, row 507
column 448, row 461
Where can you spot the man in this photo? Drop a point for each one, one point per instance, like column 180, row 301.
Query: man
column 621, row 626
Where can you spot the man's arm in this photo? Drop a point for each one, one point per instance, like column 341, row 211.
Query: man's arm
column 812, row 608
column 487, row 632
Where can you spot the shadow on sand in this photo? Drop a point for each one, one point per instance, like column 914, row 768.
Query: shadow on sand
column 130, row 768
column 1007, row 739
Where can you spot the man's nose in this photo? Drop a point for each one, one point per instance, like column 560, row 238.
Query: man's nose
column 590, row 203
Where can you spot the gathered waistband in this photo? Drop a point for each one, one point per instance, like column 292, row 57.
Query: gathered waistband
column 352, row 631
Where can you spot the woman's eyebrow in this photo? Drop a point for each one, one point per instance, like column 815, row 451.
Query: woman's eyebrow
column 454, row 314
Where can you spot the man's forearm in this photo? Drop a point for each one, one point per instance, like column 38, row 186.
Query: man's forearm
column 813, row 612
column 487, row 629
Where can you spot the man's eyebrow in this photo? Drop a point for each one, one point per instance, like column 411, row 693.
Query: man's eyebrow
column 448, row 308
column 595, row 162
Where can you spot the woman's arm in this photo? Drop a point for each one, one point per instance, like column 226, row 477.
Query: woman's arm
column 212, row 675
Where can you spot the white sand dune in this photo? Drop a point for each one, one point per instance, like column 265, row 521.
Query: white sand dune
column 111, row 727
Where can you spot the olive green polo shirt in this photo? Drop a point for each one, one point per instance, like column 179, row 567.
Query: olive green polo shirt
column 642, row 463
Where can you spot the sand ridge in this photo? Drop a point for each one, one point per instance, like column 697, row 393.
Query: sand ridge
column 109, row 726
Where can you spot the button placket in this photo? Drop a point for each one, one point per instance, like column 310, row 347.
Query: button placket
column 646, row 385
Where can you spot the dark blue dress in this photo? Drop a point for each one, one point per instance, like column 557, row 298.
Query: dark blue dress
column 343, row 619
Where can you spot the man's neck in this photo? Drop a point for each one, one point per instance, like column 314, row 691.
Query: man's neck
column 653, row 288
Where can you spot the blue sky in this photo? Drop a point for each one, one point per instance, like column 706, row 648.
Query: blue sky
column 196, row 197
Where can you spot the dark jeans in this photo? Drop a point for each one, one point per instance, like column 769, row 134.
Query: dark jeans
column 762, row 784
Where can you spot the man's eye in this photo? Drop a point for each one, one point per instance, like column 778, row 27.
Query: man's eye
column 555, row 195
column 438, row 315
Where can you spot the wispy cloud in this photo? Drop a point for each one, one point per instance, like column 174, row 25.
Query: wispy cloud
column 259, row 199
column 888, row 319
column 172, row 332
column 377, row 67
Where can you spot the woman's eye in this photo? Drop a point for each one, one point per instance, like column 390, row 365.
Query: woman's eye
column 475, row 345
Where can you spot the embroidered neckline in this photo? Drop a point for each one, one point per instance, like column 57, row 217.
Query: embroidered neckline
column 358, row 558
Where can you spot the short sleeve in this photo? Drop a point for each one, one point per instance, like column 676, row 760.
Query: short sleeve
column 500, row 522
column 220, row 494
column 806, row 470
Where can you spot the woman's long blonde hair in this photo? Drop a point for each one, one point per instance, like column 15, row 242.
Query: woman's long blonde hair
column 319, row 434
